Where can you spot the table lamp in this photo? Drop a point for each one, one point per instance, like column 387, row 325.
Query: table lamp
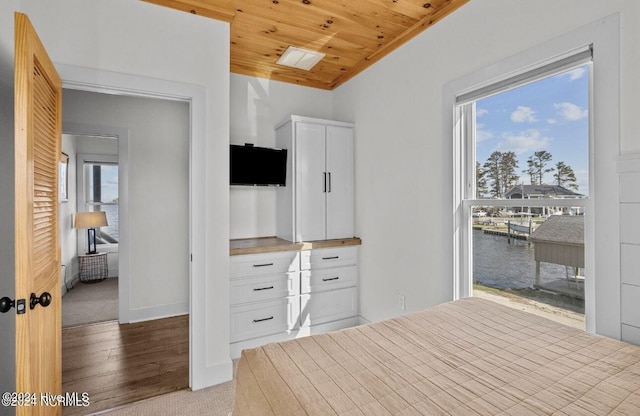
column 91, row 221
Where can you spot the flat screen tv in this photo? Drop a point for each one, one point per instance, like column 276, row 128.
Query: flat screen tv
column 258, row 166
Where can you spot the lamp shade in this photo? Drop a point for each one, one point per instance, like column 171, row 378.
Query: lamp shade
column 92, row 219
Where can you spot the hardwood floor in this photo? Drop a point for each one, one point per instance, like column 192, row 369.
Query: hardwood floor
column 118, row 364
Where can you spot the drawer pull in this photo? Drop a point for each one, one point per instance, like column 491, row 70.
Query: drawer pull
column 263, row 265
column 255, row 321
column 331, row 258
column 262, row 288
column 331, row 278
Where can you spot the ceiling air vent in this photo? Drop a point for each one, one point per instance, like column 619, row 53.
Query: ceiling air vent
column 300, row 58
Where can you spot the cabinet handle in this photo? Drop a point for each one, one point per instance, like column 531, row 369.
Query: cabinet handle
column 263, row 265
column 262, row 288
column 331, row 278
column 331, row 258
column 255, row 321
column 324, row 181
column 329, row 174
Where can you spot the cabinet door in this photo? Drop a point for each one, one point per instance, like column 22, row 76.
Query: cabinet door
column 323, row 307
column 264, row 264
column 310, row 182
column 340, row 186
column 264, row 318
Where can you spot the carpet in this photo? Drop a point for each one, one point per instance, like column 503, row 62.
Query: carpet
column 88, row 303
column 212, row 401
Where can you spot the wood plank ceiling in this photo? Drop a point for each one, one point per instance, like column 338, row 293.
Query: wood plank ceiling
column 353, row 34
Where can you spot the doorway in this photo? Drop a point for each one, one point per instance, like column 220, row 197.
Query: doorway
column 90, row 281
column 85, row 79
column 152, row 240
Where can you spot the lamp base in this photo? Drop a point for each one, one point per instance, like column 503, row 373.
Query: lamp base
column 91, row 241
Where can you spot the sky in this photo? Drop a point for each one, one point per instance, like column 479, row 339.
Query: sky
column 550, row 114
column 109, row 178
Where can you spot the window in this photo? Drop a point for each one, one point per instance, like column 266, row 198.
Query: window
column 524, row 148
column 532, row 143
column 98, row 191
column 602, row 219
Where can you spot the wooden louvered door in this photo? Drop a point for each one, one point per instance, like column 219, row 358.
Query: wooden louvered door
column 38, row 122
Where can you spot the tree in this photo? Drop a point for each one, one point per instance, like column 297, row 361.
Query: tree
column 499, row 170
column 492, row 172
column 531, row 172
column 482, row 187
column 565, row 176
column 509, row 164
column 537, row 166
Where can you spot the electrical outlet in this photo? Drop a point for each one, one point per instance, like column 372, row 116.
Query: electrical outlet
column 401, row 303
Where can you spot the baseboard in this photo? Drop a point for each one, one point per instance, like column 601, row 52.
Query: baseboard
column 212, row 375
column 304, row 331
column 363, row 321
column 70, row 283
column 155, row 312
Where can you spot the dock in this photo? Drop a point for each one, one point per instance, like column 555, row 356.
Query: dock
column 504, row 233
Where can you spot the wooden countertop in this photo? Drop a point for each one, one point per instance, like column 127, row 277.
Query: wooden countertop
column 274, row 244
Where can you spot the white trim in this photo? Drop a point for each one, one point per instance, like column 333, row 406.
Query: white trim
column 629, row 163
column 86, row 79
column 539, row 71
column 157, row 312
column 300, row 332
column 215, row 374
column 122, row 134
column 81, row 159
column 602, row 293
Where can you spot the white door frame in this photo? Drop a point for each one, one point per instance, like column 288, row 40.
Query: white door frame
column 86, row 79
column 122, row 135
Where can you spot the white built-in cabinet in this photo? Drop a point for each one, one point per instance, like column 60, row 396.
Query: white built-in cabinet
column 276, row 296
column 264, row 295
column 328, row 285
column 317, row 201
column 282, row 294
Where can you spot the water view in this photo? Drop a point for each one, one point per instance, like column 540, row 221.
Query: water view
column 111, row 231
column 503, row 265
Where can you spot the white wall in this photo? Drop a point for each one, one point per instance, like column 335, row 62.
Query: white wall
column 97, row 146
column 70, row 245
column 138, row 38
column 67, row 209
column 158, row 183
column 403, row 162
column 256, row 106
column 7, row 258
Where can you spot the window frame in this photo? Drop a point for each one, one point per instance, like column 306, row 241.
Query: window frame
column 81, row 160
column 602, row 286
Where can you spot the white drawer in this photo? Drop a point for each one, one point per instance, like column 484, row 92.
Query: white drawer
column 260, row 288
column 264, row 264
column 329, row 257
column 321, row 280
column 265, row 318
column 319, row 308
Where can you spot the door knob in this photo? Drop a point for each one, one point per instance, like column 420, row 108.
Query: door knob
column 44, row 300
column 6, row 304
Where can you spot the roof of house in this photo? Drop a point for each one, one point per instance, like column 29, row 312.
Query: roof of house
column 541, row 191
column 563, row 229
